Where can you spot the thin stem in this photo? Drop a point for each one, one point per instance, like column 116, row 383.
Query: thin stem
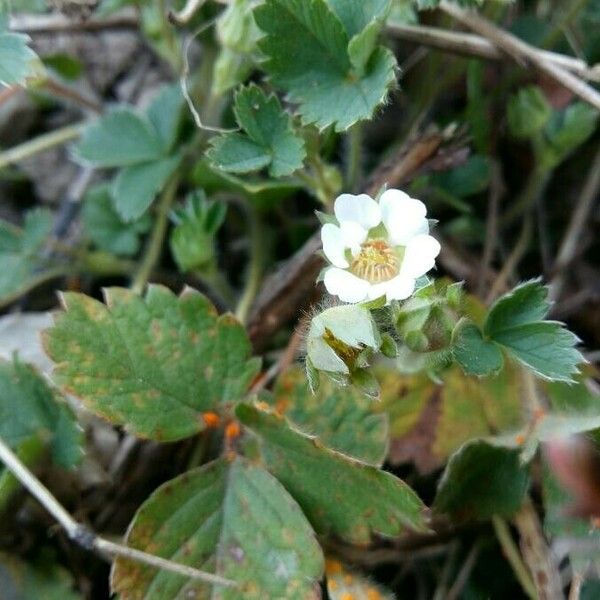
column 155, row 244
column 256, row 266
column 354, row 158
column 40, row 143
column 87, row 538
column 569, row 13
column 534, row 188
column 512, row 554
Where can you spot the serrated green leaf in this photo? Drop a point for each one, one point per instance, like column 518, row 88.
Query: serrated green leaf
column 270, row 139
column 342, row 418
column 232, row 518
column 475, row 355
column 29, row 407
column 545, row 347
column 165, row 113
column 22, row 267
column 106, row 228
column 482, row 480
column 120, row 138
column 339, row 495
column 16, row 58
column 307, row 55
column 527, row 112
column 36, row 580
column 152, row 364
column 135, row 187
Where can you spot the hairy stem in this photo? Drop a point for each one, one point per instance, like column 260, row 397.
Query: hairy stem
column 354, row 158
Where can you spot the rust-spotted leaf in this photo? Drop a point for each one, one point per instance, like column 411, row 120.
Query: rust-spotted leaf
column 231, row 518
column 343, row 584
column 343, row 418
column 153, row 363
column 339, row 495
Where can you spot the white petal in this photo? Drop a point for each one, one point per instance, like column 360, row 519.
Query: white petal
column 378, row 289
column 403, row 216
column 348, row 287
column 353, row 235
column 333, row 245
column 361, row 209
column 419, row 256
column 400, row 287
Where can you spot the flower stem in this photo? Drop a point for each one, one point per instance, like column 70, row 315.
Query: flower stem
column 39, row 144
column 354, row 158
column 255, row 270
column 512, row 554
column 157, row 237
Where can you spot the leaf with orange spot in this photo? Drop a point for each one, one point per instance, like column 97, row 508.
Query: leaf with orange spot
column 341, row 417
column 339, row 495
column 343, row 584
column 153, row 364
column 429, row 421
column 227, row 517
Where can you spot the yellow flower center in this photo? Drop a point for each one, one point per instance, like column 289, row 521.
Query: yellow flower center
column 376, row 262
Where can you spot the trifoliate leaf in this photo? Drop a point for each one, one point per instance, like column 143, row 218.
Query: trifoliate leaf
column 121, row 138
column 106, row 228
column 546, row 347
column 135, row 187
column 35, row 580
column 307, row 49
column 339, row 495
column 343, row 419
column 269, row 138
column 16, row 58
column 429, row 421
column 29, row 407
column 231, row 518
column 475, row 355
column 22, row 267
column 344, row 584
column 482, row 480
column 152, row 364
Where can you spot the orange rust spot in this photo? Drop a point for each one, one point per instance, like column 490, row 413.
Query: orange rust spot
column 256, row 379
column 348, row 579
column 262, row 405
column 520, row 439
column 282, row 404
column 595, row 522
column 332, row 585
column 347, row 596
column 232, row 430
column 211, row 419
column 333, row 567
column 539, row 413
column 373, row 594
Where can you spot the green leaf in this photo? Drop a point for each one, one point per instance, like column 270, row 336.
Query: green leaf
column 134, row 188
column 429, row 421
column 342, row 418
column 16, row 58
column 307, row 51
column 165, row 114
column 475, row 355
column 339, row 495
column 22, row 268
column 269, row 138
column 152, row 364
column 482, row 480
column 120, row 138
column 65, row 65
column 36, row 580
column 473, row 177
column 231, row 518
column 545, row 347
column 528, row 111
column 106, row 228
column 29, row 407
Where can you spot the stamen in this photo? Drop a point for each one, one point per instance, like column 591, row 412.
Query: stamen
column 376, row 262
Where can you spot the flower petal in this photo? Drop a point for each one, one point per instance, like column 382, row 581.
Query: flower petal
column 403, row 216
column 333, row 245
column 400, row 287
column 353, row 234
column 361, row 209
column 419, row 256
column 348, row 287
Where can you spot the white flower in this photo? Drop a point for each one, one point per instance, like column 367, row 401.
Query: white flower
column 378, row 248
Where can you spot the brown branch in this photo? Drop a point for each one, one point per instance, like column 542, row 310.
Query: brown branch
column 56, row 22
